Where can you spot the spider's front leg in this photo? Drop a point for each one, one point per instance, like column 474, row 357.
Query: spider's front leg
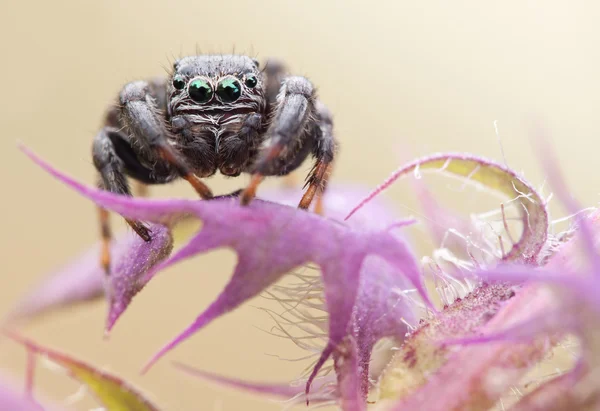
column 301, row 125
column 324, row 150
column 135, row 143
column 113, row 158
column 147, row 128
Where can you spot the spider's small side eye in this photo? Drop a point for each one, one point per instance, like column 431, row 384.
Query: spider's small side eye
column 251, row 81
column 178, row 82
column 200, row 90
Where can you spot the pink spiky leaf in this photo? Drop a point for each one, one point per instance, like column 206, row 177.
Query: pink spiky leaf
column 270, row 240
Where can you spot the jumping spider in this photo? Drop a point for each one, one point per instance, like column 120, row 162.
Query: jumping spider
column 213, row 113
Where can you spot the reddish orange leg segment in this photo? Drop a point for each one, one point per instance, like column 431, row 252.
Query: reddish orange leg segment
column 250, row 192
column 106, row 235
column 202, row 189
column 317, row 182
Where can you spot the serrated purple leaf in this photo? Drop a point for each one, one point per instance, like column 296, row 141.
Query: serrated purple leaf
column 380, row 310
column 81, row 280
column 129, row 274
column 270, row 240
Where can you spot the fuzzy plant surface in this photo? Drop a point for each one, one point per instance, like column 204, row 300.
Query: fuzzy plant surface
column 464, row 328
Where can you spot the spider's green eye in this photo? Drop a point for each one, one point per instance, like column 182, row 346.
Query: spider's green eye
column 251, row 81
column 229, row 90
column 178, row 82
column 200, row 90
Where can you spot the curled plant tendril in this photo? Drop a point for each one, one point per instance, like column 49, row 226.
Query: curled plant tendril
column 495, row 177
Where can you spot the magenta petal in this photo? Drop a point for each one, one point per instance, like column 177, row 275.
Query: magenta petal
column 571, row 285
column 129, row 274
column 476, row 376
column 381, row 309
column 522, row 273
column 79, row 281
column 83, row 279
column 349, row 382
column 270, row 240
column 284, row 391
column 545, row 323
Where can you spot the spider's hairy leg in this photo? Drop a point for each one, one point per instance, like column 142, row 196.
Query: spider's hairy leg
column 324, row 151
column 276, row 72
column 147, row 127
column 112, row 167
column 285, row 151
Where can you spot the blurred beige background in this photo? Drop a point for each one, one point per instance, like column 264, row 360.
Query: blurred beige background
column 402, row 78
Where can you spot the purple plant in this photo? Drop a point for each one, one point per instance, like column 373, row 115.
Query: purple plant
column 456, row 330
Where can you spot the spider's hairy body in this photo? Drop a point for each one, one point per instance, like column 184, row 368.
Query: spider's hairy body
column 217, row 125
column 214, row 113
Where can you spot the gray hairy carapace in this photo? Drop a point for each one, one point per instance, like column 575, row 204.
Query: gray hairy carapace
column 214, row 112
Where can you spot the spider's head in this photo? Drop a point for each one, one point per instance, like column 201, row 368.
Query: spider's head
column 216, row 85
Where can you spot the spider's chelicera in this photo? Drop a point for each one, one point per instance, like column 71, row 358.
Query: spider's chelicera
column 213, row 113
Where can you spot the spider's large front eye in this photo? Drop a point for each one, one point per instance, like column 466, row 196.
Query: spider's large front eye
column 229, row 90
column 178, row 82
column 200, row 90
